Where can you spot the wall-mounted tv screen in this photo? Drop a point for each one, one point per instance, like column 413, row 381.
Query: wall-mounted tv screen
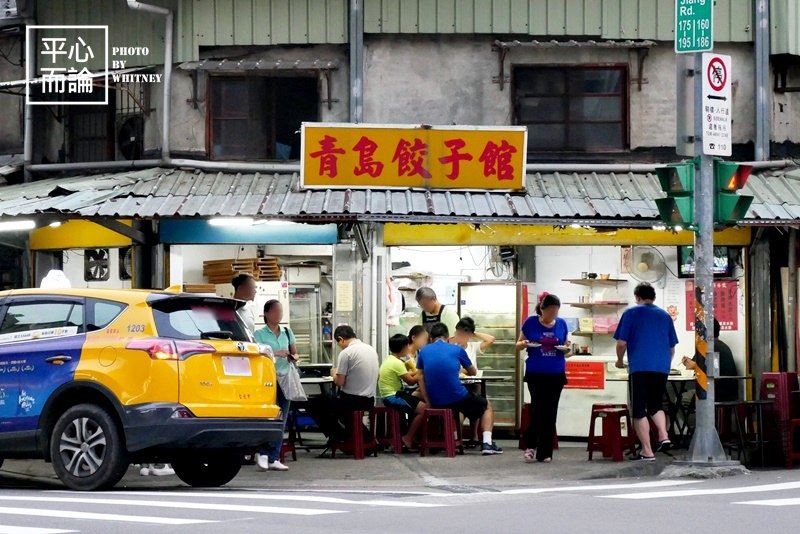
column 724, row 261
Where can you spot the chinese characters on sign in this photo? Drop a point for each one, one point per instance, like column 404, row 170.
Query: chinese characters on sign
column 63, row 55
column 348, row 155
column 717, row 121
column 726, row 304
column 586, row 375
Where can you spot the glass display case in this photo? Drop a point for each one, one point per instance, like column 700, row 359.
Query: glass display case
column 304, row 320
column 498, row 309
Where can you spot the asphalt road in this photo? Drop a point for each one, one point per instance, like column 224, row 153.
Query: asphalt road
column 766, row 500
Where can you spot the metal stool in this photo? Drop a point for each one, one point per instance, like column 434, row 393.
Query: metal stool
column 755, row 408
column 730, row 438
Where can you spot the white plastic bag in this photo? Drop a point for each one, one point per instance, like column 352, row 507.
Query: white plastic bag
column 291, row 386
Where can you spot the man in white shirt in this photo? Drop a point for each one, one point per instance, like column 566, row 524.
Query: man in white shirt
column 356, row 375
column 244, row 288
column 356, row 372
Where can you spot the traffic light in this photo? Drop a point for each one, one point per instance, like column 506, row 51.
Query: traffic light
column 677, row 181
column 730, row 207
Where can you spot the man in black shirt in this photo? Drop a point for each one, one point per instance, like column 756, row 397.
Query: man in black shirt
column 725, row 390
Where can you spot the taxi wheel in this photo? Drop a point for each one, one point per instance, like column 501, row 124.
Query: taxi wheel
column 86, row 449
column 209, row 472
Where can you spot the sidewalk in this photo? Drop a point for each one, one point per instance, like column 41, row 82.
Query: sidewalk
column 463, row 474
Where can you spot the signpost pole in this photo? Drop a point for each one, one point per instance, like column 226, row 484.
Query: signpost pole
column 706, row 448
column 694, row 33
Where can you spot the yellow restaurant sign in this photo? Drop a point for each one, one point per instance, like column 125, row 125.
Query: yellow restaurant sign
column 413, row 156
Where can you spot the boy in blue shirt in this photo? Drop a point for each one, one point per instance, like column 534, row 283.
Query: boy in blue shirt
column 647, row 334
column 438, row 365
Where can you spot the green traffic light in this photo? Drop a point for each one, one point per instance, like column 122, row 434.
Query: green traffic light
column 730, row 208
column 729, row 177
column 676, row 179
column 676, row 211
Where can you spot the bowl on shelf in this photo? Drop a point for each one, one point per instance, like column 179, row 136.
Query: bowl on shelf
column 605, row 276
column 592, row 276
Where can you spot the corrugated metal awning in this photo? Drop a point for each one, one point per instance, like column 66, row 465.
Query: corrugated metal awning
column 94, row 75
column 575, row 44
column 243, row 65
column 10, row 163
column 596, row 198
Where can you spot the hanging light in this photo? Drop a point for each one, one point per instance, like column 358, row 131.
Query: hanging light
column 231, row 221
column 11, row 226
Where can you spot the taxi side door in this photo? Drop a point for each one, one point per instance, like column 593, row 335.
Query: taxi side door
column 41, row 338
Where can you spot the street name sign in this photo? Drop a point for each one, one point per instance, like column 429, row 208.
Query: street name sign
column 694, row 26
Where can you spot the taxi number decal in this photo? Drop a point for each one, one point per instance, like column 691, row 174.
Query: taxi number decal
column 135, row 328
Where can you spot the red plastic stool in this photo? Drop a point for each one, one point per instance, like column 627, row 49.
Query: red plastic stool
column 287, row 447
column 524, row 423
column 357, row 442
column 449, row 430
column 611, row 443
column 392, row 432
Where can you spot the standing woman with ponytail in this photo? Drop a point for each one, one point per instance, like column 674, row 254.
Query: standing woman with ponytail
column 545, row 337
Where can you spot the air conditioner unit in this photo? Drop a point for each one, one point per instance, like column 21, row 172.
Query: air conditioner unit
column 129, row 137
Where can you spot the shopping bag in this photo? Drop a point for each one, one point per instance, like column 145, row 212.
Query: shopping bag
column 291, row 386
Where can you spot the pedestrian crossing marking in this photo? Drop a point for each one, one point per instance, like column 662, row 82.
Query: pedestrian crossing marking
column 182, row 505
column 253, row 496
column 773, row 502
column 7, row 529
column 600, row 487
column 706, row 491
column 69, row 514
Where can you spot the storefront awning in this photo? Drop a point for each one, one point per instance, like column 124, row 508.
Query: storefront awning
column 10, row 164
column 613, row 199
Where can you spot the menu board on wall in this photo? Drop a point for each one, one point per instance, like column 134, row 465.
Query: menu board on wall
column 726, row 304
column 586, row 375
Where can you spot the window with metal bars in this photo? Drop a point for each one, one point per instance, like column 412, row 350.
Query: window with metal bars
column 258, row 117
column 111, row 132
column 572, row 108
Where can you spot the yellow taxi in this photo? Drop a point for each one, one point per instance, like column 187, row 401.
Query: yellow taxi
column 93, row 380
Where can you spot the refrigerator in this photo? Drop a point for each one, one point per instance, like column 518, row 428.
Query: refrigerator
column 498, row 309
column 305, row 319
column 264, row 291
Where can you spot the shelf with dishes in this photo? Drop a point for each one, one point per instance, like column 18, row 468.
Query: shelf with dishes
column 587, row 334
column 594, row 281
column 595, row 305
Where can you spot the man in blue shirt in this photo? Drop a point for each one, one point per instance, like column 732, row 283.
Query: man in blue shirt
column 647, row 334
column 439, row 365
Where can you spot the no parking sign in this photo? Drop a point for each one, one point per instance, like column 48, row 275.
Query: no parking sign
column 717, row 139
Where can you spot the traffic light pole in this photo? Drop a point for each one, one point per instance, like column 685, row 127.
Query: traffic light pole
column 706, row 448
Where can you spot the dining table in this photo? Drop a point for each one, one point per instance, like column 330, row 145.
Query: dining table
column 319, row 370
column 482, row 380
column 325, row 383
column 679, row 411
